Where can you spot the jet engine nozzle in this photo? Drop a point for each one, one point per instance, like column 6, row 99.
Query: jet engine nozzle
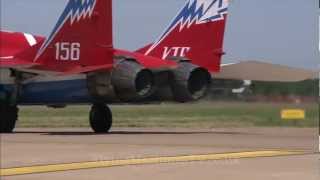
column 190, row 82
column 131, row 81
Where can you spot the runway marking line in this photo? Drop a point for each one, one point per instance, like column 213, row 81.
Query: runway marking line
column 142, row 161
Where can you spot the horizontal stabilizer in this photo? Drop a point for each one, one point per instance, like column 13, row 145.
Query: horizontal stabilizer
column 149, row 62
column 259, row 71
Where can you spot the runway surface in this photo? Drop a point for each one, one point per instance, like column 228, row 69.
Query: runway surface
column 236, row 153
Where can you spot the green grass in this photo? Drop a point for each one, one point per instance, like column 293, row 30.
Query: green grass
column 198, row 115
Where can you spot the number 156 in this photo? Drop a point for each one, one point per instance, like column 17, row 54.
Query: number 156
column 66, row 51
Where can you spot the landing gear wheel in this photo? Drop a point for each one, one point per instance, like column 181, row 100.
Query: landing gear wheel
column 100, row 118
column 9, row 116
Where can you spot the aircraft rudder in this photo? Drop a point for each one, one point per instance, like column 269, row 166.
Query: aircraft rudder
column 197, row 32
column 81, row 35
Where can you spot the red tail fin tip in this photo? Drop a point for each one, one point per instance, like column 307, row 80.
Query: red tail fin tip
column 82, row 35
column 197, row 32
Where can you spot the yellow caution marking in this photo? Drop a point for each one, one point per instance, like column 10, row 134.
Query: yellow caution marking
column 141, row 161
column 293, row 114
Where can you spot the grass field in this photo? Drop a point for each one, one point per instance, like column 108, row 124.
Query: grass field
column 197, row 115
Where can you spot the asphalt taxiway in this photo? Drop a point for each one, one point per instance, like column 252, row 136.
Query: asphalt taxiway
column 233, row 153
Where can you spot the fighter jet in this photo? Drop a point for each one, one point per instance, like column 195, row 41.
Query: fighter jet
column 78, row 64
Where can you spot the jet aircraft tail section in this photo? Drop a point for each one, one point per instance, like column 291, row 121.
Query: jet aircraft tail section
column 81, row 37
column 197, row 33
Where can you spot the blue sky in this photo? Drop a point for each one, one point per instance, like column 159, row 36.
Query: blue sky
column 276, row 31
